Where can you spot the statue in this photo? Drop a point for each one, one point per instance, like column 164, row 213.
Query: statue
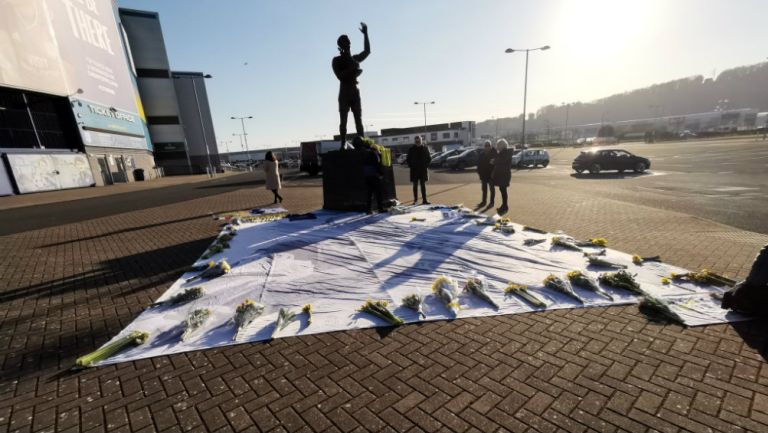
column 347, row 68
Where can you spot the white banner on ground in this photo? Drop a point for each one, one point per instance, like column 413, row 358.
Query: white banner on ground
column 339, row 260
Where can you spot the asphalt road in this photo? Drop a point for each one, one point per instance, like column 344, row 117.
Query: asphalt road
column 724, row 181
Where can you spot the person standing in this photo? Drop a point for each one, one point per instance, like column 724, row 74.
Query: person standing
column 418, row 160
column 347, row 68
column 501, row 173
column 372, row 173
column 484, row 170
column 272, row 175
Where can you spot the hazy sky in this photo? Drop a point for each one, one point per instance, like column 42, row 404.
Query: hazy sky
column 272, row 59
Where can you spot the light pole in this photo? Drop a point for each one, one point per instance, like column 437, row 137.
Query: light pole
column 567, row 109
column 200, row 115
column 525, row 87
column 425, row 116
column 245, row 135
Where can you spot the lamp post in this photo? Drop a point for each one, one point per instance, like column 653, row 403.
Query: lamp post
column 425, row 116
column 525, row 87
column 200, row 115
column 245, row 135
column 567, row 109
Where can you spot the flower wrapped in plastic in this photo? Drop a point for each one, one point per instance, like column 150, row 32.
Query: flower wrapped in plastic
column 659, row 309
column 534, row 229
column 187, row 295
column 622, row 280
column 593, row 242
column 307, row 309
column 245, row 314
column 284, row 318
column 521, row 290
column 447, row 290
column 505, row 229
column 133, row 338
column 565, row 242
column 638, row 260
column 479, row 287
column 583, row 279
column 563, row 286
column 194, row 321
column 380, row 310
column 415, row 302
column 704, row 276
column 213, row 271
column 531, row 242
column 604, row 263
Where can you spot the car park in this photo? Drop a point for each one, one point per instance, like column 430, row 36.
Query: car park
column 596, row 161
column 467, row 158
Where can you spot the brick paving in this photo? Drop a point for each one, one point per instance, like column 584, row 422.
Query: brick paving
column 66, row 289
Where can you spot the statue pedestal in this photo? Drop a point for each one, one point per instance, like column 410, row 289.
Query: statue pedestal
column 344, row 185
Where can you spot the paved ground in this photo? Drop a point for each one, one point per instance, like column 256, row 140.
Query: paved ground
column 71, row 281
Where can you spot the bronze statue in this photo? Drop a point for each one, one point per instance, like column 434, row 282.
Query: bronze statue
column 347, row 68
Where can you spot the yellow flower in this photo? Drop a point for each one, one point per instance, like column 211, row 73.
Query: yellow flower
column 603, row 242
column 574, row 274
column 637, row 260
column 665, row 280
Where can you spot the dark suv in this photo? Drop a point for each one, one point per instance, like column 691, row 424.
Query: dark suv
column 609, row 159
column 467, row 158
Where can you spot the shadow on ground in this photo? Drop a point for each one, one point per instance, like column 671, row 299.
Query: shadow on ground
column 627, row 175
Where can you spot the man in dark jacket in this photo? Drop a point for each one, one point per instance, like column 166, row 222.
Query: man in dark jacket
column 372, row 173
column 484, row 170
column 418, row 160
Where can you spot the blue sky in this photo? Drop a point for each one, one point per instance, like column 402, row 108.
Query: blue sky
column 449, row 51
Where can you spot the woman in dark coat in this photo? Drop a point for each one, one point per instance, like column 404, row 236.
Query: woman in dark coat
column 418, row 160
column 502, row 172
column 484, row 170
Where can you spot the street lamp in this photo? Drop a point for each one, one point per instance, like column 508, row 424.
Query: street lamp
column 425, row 115
column 245, row 134
column 567, row 108
column 525, row 87
column 200, row 115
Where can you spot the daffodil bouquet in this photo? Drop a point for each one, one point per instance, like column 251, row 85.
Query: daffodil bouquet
column 522, row 291
column 638, row 260
column 245, row 314
column 563, row 286
column 582, row 279
column 622, row 280
column 194, row 321
column 479, row 287
column 565, row 242
column 446, row 289
column 380, row 310
column 133, row 338
column 284, row 318
column 531, row 242
column 415, row 302
column 307, row 309
column 183, row 297
column 213, row 271
column 704, row 276
column 604, row 263
column 659, row 309
column 593, row 242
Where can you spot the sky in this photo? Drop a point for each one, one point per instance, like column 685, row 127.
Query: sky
column 272, row 59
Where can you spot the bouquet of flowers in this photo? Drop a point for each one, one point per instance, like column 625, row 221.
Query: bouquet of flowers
column 447, row 290
column 284, row 318
column 488, row 221
column 194, row 321
column 704, row 276
column 593, row 242
column 214, row 249
column 622, row 280
column 558, row 284
column 522, row 291
column 597, row 261
column 534, row 229
column 245, row 313
column 187, row 295
column 582, row 279
column 478, row 287
column 418, row 219
column 212, row 271
column 307, row 309
column 640, row 260
column 416, row 303
column 133, row 338
column 601, row 252
column 398, row 210
column 380, row 310
column 531, row 242
column 506, row 229
column 657, row 308
column 565, row 242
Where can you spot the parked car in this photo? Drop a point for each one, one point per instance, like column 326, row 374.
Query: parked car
column 402, row 159
column 687, row 134
column 439, row 160
column 609, row 159
column 531, row 158
column 467, row 158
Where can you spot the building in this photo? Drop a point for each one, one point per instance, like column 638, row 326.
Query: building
column 438, row 137
column 70, row 115
column 175, row 103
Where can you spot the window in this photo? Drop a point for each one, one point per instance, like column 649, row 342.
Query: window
column 396, row 139
column 433, row 136
column 455, row 135
column 405, row 138
column 446, row 135
column 385, row 139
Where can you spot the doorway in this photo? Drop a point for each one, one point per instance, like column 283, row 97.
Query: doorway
column 106, row 175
